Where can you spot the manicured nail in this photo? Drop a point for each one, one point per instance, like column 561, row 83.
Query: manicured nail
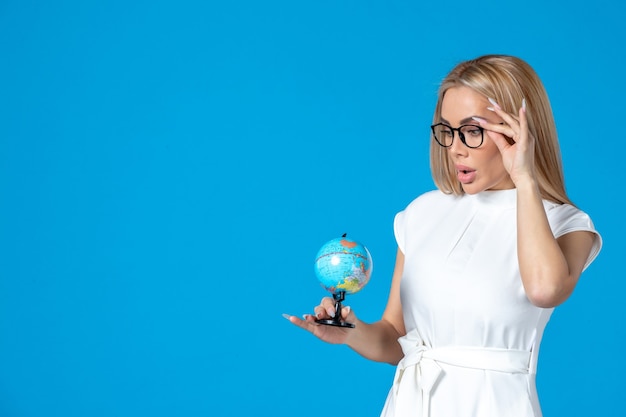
column 492, row 101
column 287, row 316
column 491, row 109
column 331, row 312
column 524, row 105
column 306, row 316
column 479, row 120
column 347, row 309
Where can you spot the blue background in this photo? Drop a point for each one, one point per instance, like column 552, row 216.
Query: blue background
column 169, row 169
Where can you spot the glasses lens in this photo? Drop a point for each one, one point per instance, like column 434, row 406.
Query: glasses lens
column 443, row 134
column 473, row 135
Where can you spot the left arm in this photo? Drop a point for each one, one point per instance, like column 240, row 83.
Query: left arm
column 549, row 267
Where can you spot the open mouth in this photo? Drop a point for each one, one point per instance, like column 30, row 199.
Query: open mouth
column 465, row 175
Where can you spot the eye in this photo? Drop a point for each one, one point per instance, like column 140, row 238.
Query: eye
column 445, row 130
column 472, row 131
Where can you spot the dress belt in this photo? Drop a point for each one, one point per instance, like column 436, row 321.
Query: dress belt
column 419, row 370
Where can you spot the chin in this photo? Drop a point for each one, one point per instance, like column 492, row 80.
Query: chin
column 471, row 188
column 478, row 187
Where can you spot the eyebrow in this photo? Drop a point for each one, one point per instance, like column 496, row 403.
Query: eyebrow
column 464, row 121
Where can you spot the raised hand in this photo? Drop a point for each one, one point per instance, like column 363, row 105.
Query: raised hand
column 513, row 139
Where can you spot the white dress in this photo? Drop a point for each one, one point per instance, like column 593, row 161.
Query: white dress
column 472, row 335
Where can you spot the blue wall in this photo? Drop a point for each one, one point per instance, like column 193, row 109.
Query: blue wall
column 168, row 170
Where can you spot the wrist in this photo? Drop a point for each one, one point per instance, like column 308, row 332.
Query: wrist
column 526, row 183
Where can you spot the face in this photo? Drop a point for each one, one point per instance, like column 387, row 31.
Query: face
column 481, row 168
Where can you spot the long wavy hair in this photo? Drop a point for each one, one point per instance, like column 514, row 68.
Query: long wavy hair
column 508, row 80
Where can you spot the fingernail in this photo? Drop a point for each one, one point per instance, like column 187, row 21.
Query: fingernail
column 306, row 316
column 479, row 120
column 524, row 105
column 287, row 316
column 491, row 109
column 331, row 312
column 492, row 101
column 347, row 309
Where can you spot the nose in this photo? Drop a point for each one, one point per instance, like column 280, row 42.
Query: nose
column 457, row 147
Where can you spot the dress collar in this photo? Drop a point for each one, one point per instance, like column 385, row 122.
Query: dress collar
column 497, row 198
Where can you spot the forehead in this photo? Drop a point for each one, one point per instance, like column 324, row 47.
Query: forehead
column 462, row 102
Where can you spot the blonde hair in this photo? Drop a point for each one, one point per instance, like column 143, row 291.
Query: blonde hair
column 507, row 80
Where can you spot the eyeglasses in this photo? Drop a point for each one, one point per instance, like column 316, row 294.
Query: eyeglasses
column 470, row 135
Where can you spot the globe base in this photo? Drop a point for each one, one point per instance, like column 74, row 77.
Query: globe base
column 337, row 323
column 339, row 296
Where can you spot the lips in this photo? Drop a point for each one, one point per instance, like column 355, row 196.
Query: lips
column 465, row 174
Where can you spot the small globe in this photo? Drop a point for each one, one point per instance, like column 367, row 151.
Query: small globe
column 343, row 265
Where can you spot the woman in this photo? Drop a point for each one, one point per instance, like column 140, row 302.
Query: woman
column 483, row 260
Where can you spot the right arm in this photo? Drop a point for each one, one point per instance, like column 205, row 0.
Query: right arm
column 377, row 341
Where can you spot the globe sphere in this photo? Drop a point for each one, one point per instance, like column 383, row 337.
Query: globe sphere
column 343, row 265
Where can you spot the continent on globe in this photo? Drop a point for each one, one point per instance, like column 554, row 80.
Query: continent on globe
column 343, row 264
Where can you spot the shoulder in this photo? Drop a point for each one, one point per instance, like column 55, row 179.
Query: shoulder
column 565, row 218
column 430, row 204
column 431, row 200
column 426, row 206
column 418, row 208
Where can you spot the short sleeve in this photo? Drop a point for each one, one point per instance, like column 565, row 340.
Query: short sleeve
column 399, row 230
column 566, row 218
column 411, row 216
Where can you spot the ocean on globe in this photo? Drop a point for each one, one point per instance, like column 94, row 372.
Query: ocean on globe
column 343, row 264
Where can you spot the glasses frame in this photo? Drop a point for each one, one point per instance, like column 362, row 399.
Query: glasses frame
column 461, row 135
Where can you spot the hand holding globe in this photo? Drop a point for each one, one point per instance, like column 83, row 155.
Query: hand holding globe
column 343, row 266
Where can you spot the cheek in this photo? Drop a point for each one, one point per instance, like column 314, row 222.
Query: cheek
column 492, row 160
column 495, row 160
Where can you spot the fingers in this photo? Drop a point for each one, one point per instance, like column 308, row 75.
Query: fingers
column 329, row 334
column 345, row 312
column 302, row 322
column 498, row 133
column 514, row 128
column 326, row 309
column 523, row 121
column 307, row 322
column 502, row 141
column 514, row 123
column 508, row 118
column 518, row 126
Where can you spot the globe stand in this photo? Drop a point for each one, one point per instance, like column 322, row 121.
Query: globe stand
column 336, row 321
